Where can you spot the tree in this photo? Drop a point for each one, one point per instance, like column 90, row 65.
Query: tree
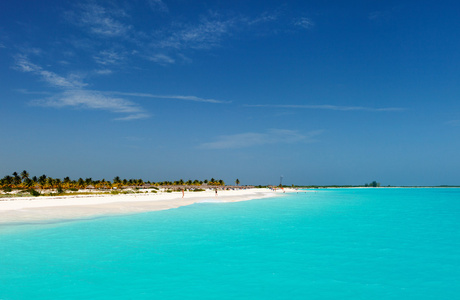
column 28, row 183
column 50, row 182
column 7, row 181
column 80, row 183
column 24, row 174
column 67, row 182
column 42, row 181
column 16, row 179
column 237, row 181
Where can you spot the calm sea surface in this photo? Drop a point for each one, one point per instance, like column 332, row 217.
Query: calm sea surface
column 325, row 244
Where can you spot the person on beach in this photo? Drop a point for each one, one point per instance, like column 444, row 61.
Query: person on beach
column 216, row 192
column 183, row 193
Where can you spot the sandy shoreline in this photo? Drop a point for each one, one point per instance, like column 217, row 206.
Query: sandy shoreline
column 41, row 209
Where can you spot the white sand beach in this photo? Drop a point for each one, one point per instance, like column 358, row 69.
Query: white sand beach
column 42, row 209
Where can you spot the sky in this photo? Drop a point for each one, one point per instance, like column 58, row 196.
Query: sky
column 319, row 92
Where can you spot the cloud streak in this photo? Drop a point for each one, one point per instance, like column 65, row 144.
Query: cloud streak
column 305, row 23
column 100, row 21
column 166, row 44
column 109, row 57
column 74, row 95
column 253, row 139
column 53, row 79
column 172, row 97
column 158, row 5
column 330, row 107
column 205, row 35
column 84, row 99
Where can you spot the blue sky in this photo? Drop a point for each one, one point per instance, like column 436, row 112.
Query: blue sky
column 321, row 92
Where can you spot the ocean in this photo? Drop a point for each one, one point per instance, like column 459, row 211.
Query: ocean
column 381, row 243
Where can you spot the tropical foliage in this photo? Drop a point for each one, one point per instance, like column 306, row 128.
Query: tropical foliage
column 44, row 182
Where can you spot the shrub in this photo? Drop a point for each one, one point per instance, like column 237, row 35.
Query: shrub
column 34, row 193
column 7, row 189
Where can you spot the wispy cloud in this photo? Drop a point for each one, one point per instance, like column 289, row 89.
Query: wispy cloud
column 158, row 5
column 264, row 18
column 207, row 34
column 133, row 117
column 74, row 95
column 55, row 80
column 305, row 23
column 103, row 72
column 385, row 14
column 161, row 59
column 100, row 20
column 85, row 99
column 174, row 97
column 168, row 43
column 27, row 92
column 252, row 139
column 109, row 57
column 330, row 107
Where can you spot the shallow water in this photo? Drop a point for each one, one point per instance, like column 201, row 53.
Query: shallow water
column 325, row 244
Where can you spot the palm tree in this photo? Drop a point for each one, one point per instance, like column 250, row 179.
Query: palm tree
column 237, row 181
column 24, row 174
column 42, row 181
column 16, row 179
column 28, row 183
column 50, row 182
column 58, row 184
column 7, row 181
column 67, row 182
column 80, row 183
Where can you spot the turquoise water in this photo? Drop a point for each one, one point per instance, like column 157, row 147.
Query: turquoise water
column 329, row 244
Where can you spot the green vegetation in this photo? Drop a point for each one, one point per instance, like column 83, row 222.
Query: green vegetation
column 19, row 183
column 34, row 193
